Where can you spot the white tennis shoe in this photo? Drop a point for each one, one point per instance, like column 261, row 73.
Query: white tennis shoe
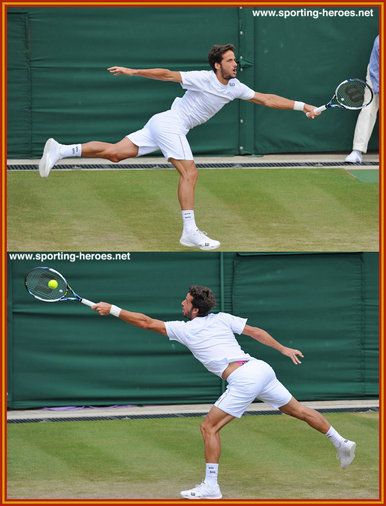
column 203, row 491
column 51, row 155
column 354, row 157
column 199, row 239
column 346, row 453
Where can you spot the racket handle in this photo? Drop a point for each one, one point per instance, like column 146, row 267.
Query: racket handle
column 87, row 302
column 318, row 109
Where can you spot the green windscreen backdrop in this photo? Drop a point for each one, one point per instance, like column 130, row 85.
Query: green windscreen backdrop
column 58, row 85
column 63, row 354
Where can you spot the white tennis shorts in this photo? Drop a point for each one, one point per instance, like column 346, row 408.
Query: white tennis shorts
column 253, row 379
column 163, row 131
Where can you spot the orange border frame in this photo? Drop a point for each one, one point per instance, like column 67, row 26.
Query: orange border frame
column 3, row 223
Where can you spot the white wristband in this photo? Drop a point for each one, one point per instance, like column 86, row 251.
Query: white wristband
column 115, row 310
column 299, row 106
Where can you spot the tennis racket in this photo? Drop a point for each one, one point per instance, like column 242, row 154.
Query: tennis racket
column 49, row 285
column 351, row 94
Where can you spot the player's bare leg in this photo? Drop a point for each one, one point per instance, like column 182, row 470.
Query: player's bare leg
column 214, row 421
column 53, row 152
column 114, row 152
column 315, row 419
column 191, row 235
column 187, row 183
column 345, row 447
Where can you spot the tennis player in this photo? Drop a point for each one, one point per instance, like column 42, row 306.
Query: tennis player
column 210, row 337
column 207, row 92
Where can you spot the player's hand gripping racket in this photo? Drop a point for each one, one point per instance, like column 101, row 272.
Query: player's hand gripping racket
column 351, row 94
column 49, row 285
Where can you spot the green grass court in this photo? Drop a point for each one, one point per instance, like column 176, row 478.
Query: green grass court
column 263, row 457
column 326, row 209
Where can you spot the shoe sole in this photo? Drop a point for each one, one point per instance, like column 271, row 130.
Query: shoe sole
column 205, row 248
column 44, row 172
column 201, row 498
column 354, row 161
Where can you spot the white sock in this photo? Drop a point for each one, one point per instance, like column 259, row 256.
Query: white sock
column 188, row 221
column 211, row 474
column 67, row 150
column 335, row 438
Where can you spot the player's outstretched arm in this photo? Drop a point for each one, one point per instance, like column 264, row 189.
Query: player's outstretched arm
column 264, row 338
column 160, row 74
column 137, row 319
column 277, row 102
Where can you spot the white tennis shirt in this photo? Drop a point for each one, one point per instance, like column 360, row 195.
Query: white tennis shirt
column 211, row 339
column 205, row 96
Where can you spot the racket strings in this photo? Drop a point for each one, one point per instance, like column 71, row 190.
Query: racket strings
column 37, row 283
column 353, row 94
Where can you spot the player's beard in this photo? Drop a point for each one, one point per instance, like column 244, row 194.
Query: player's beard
column 225, row 76
column 188, row 314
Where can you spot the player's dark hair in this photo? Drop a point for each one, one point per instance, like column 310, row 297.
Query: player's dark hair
column 203, row 299
column 216, row 53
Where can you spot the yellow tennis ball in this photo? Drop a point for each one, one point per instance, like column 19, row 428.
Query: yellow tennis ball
column 53, row 284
